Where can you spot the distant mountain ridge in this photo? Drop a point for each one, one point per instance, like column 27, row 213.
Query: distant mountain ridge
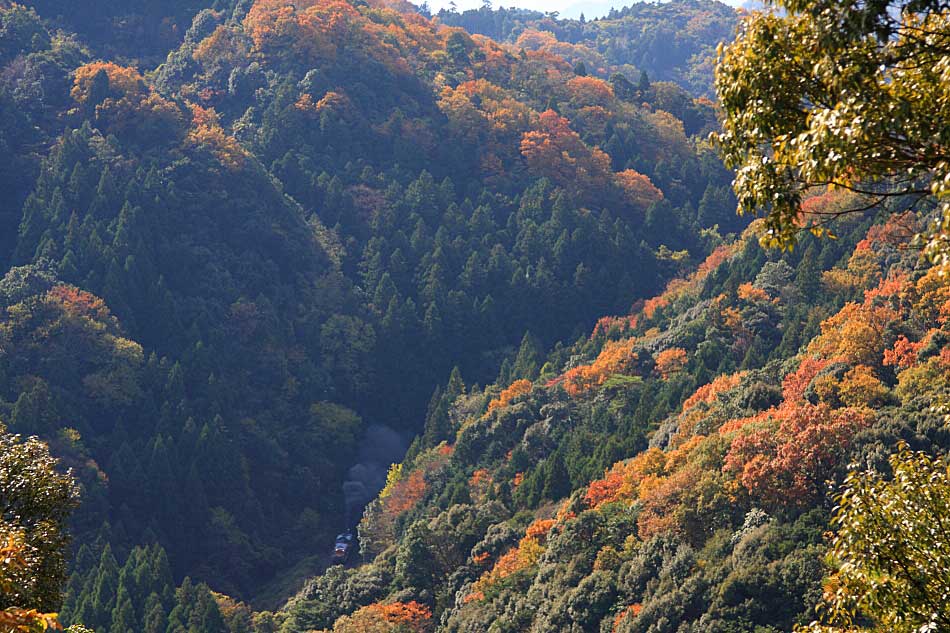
column 670, row 41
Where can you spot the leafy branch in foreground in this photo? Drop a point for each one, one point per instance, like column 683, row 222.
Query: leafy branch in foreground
column 891, row 552
column 35, row 503
column 839, row 94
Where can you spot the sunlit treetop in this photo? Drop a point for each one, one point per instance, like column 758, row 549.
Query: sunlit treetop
column 839, row 94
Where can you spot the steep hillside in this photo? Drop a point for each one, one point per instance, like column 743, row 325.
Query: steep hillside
column 675, row 470
column 259, row 259
column 230, row 274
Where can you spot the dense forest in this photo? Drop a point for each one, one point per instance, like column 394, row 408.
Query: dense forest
column 472, row 285
column 228, row 269
column 672, row 41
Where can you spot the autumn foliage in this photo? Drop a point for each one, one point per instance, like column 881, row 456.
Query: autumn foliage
column 709, row 392
column 521, row 557
column 207, row 132
column 393, row 617
column 406, row 493
column 903, row 354
column 637, row 188
column 786, row 461
column 80, row 304
column 631, row 611
column 122, row 81
column 14, row 552
column 590, row 91
column 540, row 528
column 118, row 100
column 479, row 483
column 321, row 31
column 615, row 357
column 685, row 287
column 623, row 479
column 552, row 149
column 518, row 558
column 517, row 389
column 406, row 485
column 670, row 361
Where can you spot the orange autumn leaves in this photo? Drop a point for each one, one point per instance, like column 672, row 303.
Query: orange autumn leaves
column 784, row 456
column 780, row 458
column 207, row 132
column 631, row 611
column 483, row 112
column 517, row 389
column 494, row 120
column 618, row 357
column 536, row 42
column 623, row 479
column 678, row 289
column 323, row 30
column 80, row 304
column 637, row 188
column 393, row 617
column 553, row 150
column 121, row 103
column 405, row 494
column 557, row 152
column 117, row 99
column 331, row 101
column 121, row 80
column 903, row 354
column 406, row 485
column 487, row 109
column 14, row 553
column 523, row 556
column 308, row 28
column 710, row 391
column 670, row 361
column 786, row 460
column 614, row 358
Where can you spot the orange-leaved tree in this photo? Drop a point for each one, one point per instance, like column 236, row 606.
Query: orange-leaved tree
column 557, row 152
column 393, row 617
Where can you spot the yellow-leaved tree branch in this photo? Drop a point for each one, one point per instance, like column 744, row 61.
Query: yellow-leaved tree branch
column 891, row 550
column 850, row 94
column 35, row 503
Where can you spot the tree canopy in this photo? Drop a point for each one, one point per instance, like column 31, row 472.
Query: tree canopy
column 35, row 503
column 839, row 94
column 891, row 554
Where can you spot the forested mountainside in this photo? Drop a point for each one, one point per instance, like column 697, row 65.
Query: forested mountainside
column 232, row 274
column 261, row 257
column 674, row 471
column 669, row 41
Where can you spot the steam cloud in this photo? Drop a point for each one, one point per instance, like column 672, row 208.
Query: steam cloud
column 380, row 447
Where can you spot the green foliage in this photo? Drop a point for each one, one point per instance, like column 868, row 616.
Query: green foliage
column 36, row 501
column 898, row 579
column 236, row 289
column 839, row 107
column 297, row 228
column 688, row 546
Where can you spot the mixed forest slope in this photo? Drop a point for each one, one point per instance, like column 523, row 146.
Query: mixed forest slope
column 224, row 270
column 239, row 256
column 674, row 471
